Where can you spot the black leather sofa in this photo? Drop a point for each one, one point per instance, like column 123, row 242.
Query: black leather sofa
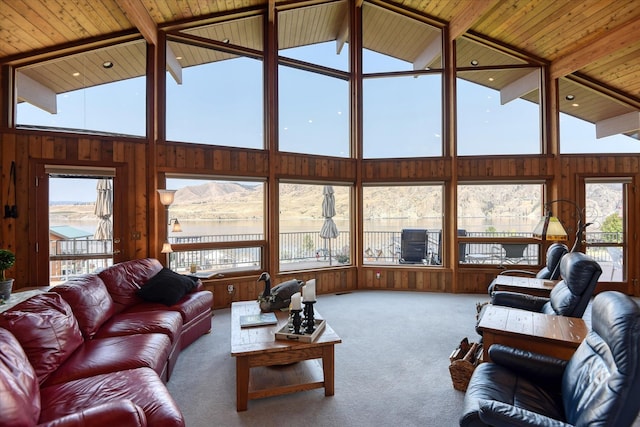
column 569, row 297
column 598, row 386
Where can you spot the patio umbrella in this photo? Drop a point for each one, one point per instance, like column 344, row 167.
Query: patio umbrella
column 104, row 209
column 329, row 229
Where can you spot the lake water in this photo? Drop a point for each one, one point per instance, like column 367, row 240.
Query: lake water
column 199, row 228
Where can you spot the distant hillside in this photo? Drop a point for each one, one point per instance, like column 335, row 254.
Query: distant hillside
column 215, row 200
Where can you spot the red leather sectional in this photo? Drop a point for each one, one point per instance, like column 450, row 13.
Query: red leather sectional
column 92, row 353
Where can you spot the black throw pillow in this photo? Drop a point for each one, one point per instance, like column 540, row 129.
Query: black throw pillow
column 166, row 287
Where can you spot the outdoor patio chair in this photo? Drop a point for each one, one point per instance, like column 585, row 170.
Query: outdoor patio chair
column 512, row 253
column 616, row 259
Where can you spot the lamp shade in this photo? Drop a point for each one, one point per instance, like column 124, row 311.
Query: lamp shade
column 555, row 230
column 540, row 231
column 550, row 228
column 166, row 248
column 177, row 228
column 166, row 196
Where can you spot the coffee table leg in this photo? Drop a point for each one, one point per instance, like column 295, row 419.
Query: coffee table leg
column 328, row 368
column 242, row 383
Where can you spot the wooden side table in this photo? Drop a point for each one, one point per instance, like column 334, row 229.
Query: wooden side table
column 557, row 336
column 524, row 285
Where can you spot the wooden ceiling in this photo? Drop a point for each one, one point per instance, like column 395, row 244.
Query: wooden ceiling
column 596, row 40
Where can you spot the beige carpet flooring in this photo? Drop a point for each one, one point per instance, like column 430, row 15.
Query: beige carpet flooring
column 392, row 367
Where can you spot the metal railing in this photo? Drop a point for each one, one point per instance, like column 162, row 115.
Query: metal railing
column 70, row 258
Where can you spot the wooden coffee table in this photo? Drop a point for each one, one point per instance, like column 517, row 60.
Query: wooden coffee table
column 269, row 367
column 557, row 336
column 525, row 285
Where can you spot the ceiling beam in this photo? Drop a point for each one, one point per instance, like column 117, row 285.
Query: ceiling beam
column 619, row 124
column 36, row 93
column 468, row 16
column 174, row 67
column 616, row 39
column 430, row 53
column 343, row 32
column 520, row 87
column 140, row 17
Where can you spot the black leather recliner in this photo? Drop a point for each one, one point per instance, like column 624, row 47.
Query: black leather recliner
column 598, row 386
column 569, row 297
column 551, row 270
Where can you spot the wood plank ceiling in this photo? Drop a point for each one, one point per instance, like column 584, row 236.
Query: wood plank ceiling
column 598, row 40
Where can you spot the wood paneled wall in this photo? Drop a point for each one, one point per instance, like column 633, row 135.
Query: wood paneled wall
column 413, row 169
column 131, row 156
column 32, row 148
column 479, row 168
column 340, row 280
column 199, row 159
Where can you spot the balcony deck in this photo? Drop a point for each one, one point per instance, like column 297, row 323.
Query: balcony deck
column 308, row 251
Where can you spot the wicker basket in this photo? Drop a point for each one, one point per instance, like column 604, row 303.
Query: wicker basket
column 464, row 360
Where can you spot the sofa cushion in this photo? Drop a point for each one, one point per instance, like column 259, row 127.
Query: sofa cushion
column 190, row 306
column 90, row 301
column 125, row 278
column 19, row 388
column 142, row 386
column 100, row 356
column 492, row 383
column 46, row 329
column 167, row 287
column 166, row 322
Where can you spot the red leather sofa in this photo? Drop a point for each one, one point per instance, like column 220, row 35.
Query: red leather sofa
column 97, row 350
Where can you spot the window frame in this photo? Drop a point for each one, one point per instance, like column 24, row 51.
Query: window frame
column 220, row 47
column 87, row 50
column 488, row 250
column 435, row 244
column 627, row 194
column 320, row 257
column 260, row 244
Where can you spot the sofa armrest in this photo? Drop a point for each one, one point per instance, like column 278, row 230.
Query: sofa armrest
column 517, row 300
column 499, row 414
column 198, row 287
column 521, row 273
column 536, row 367
column 121, row 413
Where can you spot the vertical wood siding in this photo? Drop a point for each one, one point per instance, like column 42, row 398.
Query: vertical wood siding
column 27, row 146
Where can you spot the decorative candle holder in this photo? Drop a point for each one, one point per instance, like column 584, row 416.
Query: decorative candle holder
column 308, row 317
column 296, row 320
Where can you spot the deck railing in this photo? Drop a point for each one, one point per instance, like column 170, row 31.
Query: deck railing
column 74, row 257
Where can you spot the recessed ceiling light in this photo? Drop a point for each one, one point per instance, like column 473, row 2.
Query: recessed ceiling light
column 569, row 97
column 225, row 41
column 76, row 74
column 490, row 79
column 178, row 57
column 474, row 62
column 575, row 105
column 107, row 64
